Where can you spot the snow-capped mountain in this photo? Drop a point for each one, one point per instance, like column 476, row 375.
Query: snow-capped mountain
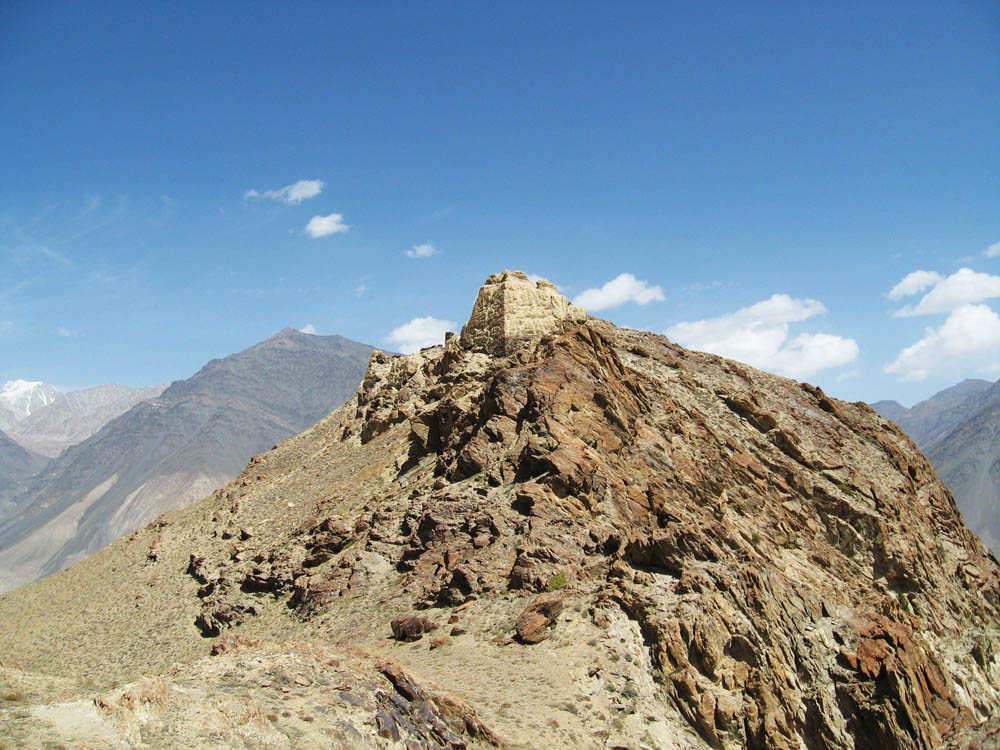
column 19, row 398
column 74, row 416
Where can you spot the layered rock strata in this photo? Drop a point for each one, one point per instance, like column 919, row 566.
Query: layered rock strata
column 634, row 545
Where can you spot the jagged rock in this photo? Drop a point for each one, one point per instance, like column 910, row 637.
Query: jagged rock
column 983, row 736
column 763, row 566
column 533, row 623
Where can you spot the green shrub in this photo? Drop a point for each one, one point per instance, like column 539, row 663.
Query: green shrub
column 556, row 582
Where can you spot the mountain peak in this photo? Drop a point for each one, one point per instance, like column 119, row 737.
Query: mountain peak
column 21, row 397
column 511, row 308
column 284, row 333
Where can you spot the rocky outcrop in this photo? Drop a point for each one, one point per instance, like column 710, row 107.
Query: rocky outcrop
column 533, row 623
column 735, row 559
column 250, row 694
column 411, row 628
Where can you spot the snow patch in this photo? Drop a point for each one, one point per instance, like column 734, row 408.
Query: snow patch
column 25, row 396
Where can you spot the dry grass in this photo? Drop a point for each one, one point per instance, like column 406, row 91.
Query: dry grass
column 154, row 692
column 242, row 711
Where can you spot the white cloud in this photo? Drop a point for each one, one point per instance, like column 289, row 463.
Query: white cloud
column 308, row 328
column 963, row 287
column 970, row 337
column 420, row 332
column 993, row 251
column 66, row 332
column 914, row 282
column 360, row 290
column 807, row 354
column 291, row 195
column 624, row 288
column 758, row 335
column 425, row 250
column 535, row 278
column 322, row 226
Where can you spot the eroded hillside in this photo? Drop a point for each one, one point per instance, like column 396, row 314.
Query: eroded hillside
column 586, row 536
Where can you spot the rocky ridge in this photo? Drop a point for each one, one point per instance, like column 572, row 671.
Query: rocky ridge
column 625, row 544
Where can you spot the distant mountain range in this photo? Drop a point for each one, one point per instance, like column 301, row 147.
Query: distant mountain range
column 71, row 418
column 20, row 398
column 40, row 421
column 166, row 452
column 958, row 429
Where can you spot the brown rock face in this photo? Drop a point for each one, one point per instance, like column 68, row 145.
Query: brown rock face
column 770, row 543
column 532, row 625
column 411, row 628
column 736, row 560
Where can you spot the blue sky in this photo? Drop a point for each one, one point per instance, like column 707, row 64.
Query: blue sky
column 181, row 180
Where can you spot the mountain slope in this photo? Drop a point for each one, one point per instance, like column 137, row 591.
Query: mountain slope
column 16, row 463
column 931, row 420
column 72, row 417
column 167, row 452
column 892, row 410
column 959, row 430
column 621, row 543
column 968, row 461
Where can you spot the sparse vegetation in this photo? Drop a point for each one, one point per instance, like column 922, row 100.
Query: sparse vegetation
column 12, row 695
column 556, row 582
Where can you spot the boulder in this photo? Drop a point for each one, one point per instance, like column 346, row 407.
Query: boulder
column 410, row 628
column 532, row 625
